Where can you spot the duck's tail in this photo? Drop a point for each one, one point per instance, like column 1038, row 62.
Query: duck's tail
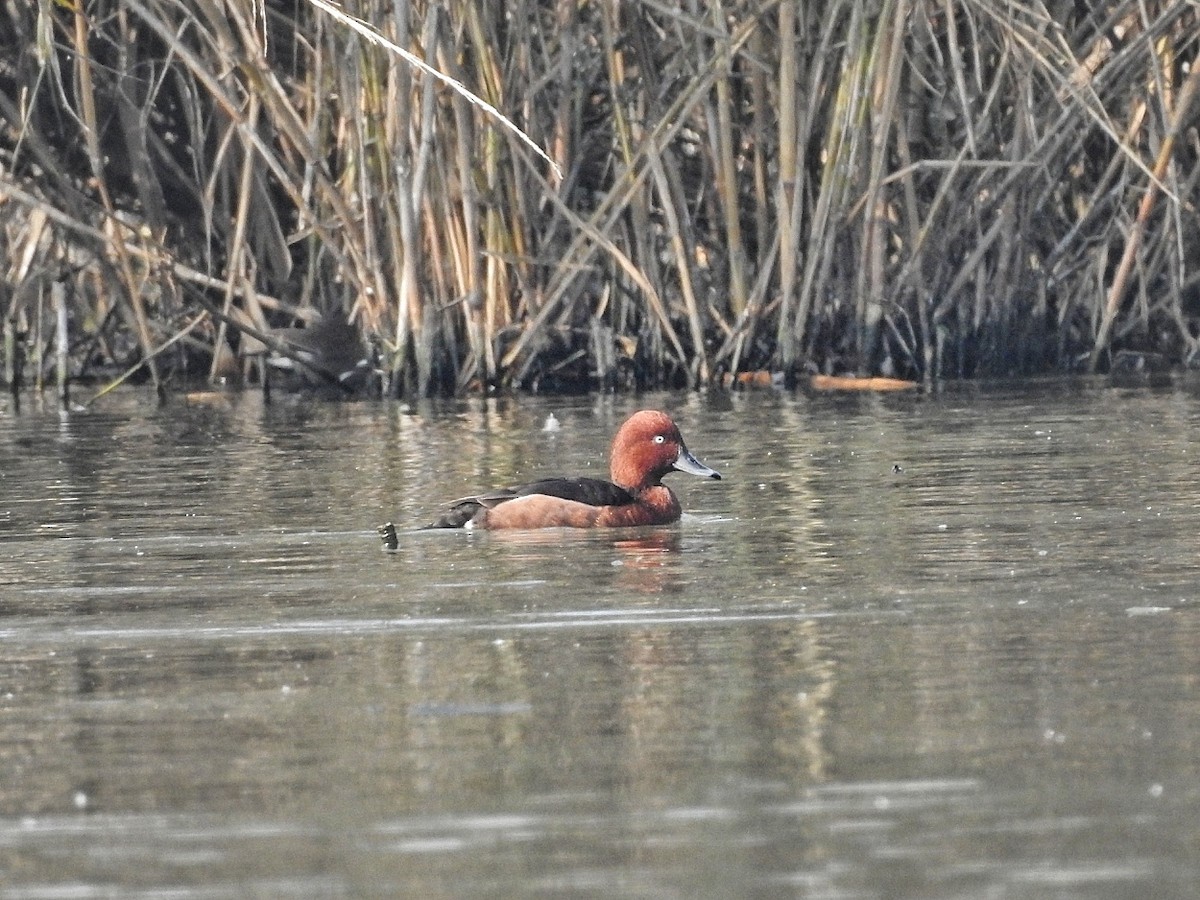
column 458, row 515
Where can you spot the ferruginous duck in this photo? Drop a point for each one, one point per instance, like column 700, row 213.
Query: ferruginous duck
column 645, row 448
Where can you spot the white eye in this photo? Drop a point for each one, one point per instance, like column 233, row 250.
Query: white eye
column 660, row 439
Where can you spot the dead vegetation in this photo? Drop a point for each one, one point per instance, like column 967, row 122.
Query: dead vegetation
column 912, row 189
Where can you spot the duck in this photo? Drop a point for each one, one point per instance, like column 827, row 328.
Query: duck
column 645, row 448
column 328, row 351
column 327, row 355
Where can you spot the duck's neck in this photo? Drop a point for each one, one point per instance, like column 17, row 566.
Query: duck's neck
column 632, row 479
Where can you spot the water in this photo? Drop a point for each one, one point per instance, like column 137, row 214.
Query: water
column 975, row 676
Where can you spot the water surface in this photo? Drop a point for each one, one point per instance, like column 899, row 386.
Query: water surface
column 910, row 646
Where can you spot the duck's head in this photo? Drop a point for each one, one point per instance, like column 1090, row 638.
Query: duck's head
column 647, row 447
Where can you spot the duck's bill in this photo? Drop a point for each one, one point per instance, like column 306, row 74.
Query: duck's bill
column 685, row 462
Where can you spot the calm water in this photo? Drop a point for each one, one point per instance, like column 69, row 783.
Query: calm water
column 976, row 677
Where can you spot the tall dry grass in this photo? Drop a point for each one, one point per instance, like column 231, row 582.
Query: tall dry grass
column 929, row 189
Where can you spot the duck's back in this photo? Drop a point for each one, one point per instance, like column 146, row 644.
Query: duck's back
column 590, row 491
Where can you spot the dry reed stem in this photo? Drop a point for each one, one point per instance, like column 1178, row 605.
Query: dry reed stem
column 1149, row 197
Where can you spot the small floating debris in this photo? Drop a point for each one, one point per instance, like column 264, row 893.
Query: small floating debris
column 552, row 424
column 387, row 532
column 207, row 398
column 854, row 383
column 760, row 378
column 1146, row 610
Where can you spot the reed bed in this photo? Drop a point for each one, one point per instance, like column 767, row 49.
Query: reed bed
column 951, row 188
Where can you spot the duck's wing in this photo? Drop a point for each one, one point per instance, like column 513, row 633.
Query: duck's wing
column 592, row 491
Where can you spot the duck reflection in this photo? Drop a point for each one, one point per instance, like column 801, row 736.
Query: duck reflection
column 645, row 560
column 650, row 562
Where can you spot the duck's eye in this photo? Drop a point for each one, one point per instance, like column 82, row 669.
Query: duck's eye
column 660, row 439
